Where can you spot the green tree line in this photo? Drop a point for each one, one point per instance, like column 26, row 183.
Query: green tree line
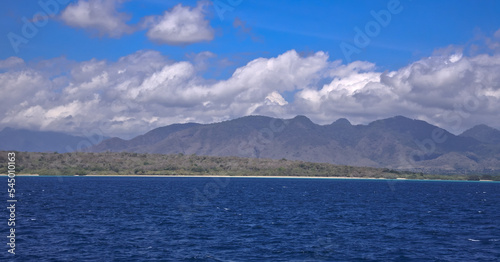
column 178, row 164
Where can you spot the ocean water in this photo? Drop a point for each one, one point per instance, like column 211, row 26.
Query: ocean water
column 253, row 219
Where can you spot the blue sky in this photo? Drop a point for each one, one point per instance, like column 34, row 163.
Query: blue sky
column 306, row 26
column 309, row 33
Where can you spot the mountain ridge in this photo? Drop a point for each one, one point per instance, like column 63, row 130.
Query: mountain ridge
column 397, row 142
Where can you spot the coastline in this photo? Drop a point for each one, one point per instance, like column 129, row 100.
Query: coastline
column 319, row 177
column 21, row 175
column 292, row 177
column 297, row 177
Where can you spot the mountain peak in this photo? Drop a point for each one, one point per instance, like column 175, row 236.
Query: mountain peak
column 342, row 122
column 301, row 117
column 483, row 133
column 393, row 121
column 302, row 120
column 399, row 118
column 481, row 128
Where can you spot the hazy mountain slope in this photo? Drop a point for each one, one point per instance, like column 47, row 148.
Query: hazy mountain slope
column 39, row 141
column 154, row 136
column 483, row 133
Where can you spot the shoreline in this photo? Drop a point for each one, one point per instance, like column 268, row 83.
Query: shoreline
column 293, row 177
column 297, row 177
column 208, row 176
column 21, row 174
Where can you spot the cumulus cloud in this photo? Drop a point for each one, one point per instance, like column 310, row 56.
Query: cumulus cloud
column 275, row 98
column 11, row 63
column 98, row 16
column 145, row 90
column 452, row 91
column 182, row 25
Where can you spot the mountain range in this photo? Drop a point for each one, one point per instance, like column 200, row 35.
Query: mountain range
column 398, row 143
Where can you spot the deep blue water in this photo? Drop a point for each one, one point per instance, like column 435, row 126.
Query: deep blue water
column 254, row 219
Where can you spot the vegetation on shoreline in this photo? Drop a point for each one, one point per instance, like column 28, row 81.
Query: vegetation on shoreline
column 190, row 165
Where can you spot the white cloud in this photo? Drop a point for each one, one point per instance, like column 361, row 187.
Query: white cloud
column 11, row 63
column 274, row 98
column 454, row 92
column 455, row 57
column 181, row 25
column 98, row 16
column 23, row 85
column 145, row 90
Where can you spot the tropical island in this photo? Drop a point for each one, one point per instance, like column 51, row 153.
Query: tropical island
column 137, row 164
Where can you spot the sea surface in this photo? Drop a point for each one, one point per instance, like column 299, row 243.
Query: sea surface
column 253, row 219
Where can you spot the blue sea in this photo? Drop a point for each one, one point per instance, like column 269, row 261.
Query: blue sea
column 253, row 219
